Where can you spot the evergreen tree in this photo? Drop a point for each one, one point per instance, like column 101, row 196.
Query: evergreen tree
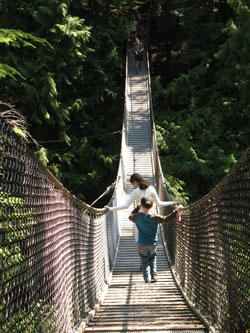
column 16, row 38
column 72, row 91
column 204, row 111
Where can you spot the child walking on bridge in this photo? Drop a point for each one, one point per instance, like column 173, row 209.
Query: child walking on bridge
column 142, row 188
column 147, row 225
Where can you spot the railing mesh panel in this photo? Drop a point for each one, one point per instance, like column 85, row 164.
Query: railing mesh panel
column 55, row 258
column 210, row 251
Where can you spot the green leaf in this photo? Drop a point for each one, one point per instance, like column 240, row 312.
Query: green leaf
column 6, row 70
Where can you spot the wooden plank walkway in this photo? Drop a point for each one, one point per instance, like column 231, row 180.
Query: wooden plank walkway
column 130, row 305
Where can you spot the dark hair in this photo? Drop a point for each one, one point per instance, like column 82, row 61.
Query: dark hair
column 147, row 202
column 143, row 183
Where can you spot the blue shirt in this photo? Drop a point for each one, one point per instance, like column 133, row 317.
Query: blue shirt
column 148, row 229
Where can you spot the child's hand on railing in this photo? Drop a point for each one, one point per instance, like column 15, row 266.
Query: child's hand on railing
column 179, row 208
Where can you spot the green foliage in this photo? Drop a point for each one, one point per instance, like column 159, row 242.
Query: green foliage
column 204, row 108
column 16, row 38
column 6, row 70
column 42, row 155
column 20, row 132
column 12, row 259
column 241, row 8
column 72, row 94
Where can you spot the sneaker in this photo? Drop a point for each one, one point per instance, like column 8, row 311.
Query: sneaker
column 154, row 278
column 147, row 281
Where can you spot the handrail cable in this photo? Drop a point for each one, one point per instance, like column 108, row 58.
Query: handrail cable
column 105, row 192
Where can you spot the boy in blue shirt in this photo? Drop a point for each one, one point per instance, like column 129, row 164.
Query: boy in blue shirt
column 147, row 225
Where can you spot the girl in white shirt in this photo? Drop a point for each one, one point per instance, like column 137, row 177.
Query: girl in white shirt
column 142, row 188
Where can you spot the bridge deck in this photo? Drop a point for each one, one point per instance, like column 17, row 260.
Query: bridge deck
column 130, row 305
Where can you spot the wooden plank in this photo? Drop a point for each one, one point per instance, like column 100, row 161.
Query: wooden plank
column 136, row 328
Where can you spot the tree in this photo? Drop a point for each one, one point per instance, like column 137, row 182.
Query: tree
column 72, row 94
column 203, row 117
column 16, row 38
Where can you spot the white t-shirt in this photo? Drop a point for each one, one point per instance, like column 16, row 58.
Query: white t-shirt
column 137, row 194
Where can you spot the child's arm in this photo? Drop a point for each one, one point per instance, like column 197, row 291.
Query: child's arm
column 165, row 219
column 134, row 214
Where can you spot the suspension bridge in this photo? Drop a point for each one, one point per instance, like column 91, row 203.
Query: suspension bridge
column 67, row 267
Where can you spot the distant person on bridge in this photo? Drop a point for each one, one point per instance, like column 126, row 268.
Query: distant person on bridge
column 140, row 32
column 138, row 52
column 147, row 225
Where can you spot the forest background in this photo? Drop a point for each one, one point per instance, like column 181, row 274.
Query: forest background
column 62, row 67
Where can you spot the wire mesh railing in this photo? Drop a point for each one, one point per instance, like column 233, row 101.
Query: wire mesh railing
column 210, row 252
column 56, row 259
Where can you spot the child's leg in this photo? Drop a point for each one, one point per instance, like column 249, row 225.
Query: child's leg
column 152, row 259
column 143, row 252
column 137, row 65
